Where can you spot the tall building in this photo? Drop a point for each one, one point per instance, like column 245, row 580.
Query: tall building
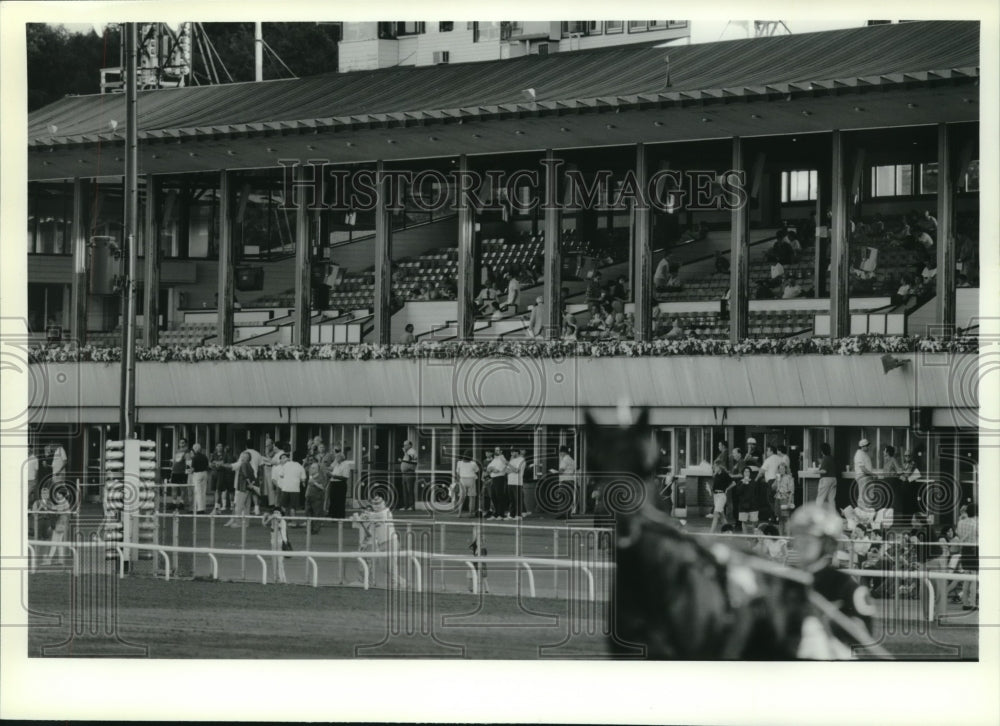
column 366, row 46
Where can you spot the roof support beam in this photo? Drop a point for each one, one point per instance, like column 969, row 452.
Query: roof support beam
column 739, row 255
column 383, row 257
column 79, row 289
column 553, row 260
column 466, row 259
column 151, row 247
column 840, row 309
column 224, row 308
column 303, row 275
column 944, row 309
column 642, row 241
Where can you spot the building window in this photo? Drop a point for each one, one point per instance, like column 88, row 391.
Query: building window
column 410, row 28
column 508, row 28
column 637, row 26
column 798, row 186
column 928, row 178
column 580, row 27
column 894, row 180
column 613, row 26
column 446, row 27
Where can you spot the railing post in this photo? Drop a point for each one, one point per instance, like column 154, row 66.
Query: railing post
column 441, row 526
column 243, row 546
column 177, row 536
column 340, row 548
column 194, row 543
column 555, row 556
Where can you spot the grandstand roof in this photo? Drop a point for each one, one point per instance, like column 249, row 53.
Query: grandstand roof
column 707, row 77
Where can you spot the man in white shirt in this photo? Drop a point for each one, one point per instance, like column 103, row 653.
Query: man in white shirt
column 515, row 483
column 467, row 484
column 31, row 475
column 863, row 472
column 289, row 477
column 567, row 473
column 59, row 461
column 497, row 471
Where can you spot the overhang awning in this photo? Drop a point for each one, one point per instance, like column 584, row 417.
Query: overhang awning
column 622, row 76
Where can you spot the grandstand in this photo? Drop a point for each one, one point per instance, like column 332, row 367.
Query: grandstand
column 281, row 321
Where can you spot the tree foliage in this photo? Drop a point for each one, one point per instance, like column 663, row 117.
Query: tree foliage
column 61, row 62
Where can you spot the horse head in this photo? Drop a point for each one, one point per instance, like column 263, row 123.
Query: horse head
column 674, row 597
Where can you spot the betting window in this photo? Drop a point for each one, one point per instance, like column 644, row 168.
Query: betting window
column 613, row 26
column 446, row 27
column 581, row 27
column 798, row 186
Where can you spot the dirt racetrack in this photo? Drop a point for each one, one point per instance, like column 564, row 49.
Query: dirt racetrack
column 204, row 619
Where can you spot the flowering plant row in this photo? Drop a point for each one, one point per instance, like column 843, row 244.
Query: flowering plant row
column 500, row 348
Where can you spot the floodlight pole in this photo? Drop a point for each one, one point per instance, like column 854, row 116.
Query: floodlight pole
column 127, row 420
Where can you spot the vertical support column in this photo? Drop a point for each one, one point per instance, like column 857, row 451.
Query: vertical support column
column 466, row 259
column 80, row 288
column 840, row 310
column 818, row 242
column 642, row 244
column 151, row 245
column 224, row 311
column 553, row 258
column 739, row 254
column 383, row 257
column 945, row 279
column 301, row 328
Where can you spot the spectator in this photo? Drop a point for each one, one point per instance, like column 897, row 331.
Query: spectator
column 269, row 460
column 513, row 292
column 967, row 532
column 279, row 540
column 59, row 462
column 486, row 300
column 777, row 269
column 784, row 496
column 767, row 475
column 792, row 289
column 31, row 476
column 379, row 534
column 745, row 501
column 496, row 469
column 537, row 322
column 827, row 491
column 569, row 326
column 407, row 477
column 340, row 477
column 676, row 331
column 905, row 290
column 466, row 484
column 863, row 474
column 245, row 481
column 408, row 337
column 720, row 484
column 662, row 274
column 178, row 474
column 781, row 251
column 288, row 476
column 60, row 506
column 566, row 473
column 515, row 482
column 199, row 478
column 316, row 492
column 216, row 482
